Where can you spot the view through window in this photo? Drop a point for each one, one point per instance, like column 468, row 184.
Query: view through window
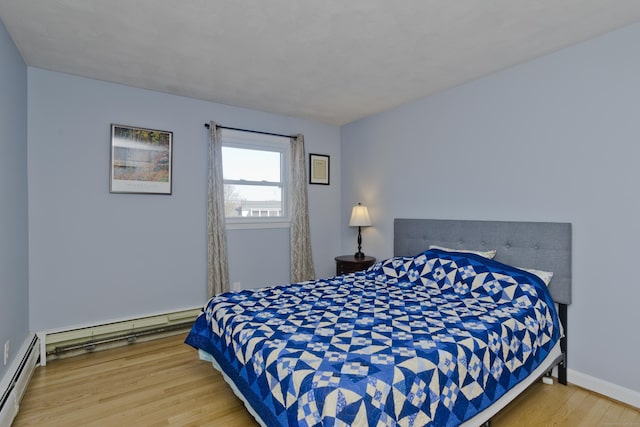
column 255, row 176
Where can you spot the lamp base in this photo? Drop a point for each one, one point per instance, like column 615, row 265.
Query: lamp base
column 359, row 254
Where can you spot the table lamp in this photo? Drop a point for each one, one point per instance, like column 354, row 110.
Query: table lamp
column 359, row 218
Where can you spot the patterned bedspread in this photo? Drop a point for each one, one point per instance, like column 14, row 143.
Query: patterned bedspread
column 426, row 340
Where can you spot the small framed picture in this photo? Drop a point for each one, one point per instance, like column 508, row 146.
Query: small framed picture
column 319, row 169
column 141, row 160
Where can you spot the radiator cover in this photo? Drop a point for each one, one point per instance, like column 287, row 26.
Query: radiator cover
column 72, row 341
column 18, row 378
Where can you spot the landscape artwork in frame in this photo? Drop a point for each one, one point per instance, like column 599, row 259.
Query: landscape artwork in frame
column 319, row 169
column 141, row 160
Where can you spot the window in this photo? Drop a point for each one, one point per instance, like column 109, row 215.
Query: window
column 255, row 170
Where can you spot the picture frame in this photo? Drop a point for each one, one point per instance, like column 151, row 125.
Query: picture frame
column 141, row 160
column 318, row 169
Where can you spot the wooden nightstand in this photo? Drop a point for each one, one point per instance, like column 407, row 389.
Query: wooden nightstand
column 348, row 264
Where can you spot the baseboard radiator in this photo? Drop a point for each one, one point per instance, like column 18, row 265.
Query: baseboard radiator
column 81, row 340
column 18, row 376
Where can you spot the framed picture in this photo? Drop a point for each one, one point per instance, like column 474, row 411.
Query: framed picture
column 141, row 160
column 319, row 169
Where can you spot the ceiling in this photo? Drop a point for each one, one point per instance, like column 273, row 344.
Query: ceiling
column 333, row 61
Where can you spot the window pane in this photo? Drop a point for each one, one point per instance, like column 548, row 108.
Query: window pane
column 252, row 200
column 250, row 165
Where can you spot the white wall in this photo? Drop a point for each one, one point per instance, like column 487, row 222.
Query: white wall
column 14, row 307
column 556, row 139
column 96, row 256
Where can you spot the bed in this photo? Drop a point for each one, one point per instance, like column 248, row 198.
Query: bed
column 427, row 337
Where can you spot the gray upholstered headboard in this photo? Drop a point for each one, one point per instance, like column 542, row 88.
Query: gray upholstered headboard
column 540, row 245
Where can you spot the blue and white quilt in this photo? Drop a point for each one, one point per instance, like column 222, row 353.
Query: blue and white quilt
column 412, row 341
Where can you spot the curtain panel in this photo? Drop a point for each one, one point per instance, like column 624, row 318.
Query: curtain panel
column 301, row 255
column 217, row 261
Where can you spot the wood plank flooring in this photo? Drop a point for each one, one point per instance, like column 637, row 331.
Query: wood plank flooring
column 162, row 383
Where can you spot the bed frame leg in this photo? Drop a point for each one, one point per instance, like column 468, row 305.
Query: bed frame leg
column 562, row 367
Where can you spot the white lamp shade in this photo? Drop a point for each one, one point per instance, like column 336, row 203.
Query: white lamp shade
column 360, row 216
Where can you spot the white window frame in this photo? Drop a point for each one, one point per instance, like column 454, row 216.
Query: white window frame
column 262, row 142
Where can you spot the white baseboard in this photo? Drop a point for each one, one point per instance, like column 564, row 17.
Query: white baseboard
column 116, row 320
column 622, row 394
column 16, row 380
column 74, row 337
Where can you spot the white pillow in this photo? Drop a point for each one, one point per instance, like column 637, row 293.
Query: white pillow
column 486, row 254
column 545, row 276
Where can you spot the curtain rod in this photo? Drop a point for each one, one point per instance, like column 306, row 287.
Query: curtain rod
column 207, row 125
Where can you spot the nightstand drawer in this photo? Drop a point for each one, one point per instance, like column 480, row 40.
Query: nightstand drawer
column 348, row 264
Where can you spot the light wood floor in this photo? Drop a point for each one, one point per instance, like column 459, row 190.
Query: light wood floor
column 162, row 383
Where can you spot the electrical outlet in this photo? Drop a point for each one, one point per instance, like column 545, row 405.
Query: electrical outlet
column 236, row 287
column 6, row 352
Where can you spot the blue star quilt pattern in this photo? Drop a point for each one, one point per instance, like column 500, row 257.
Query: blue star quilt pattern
column 429, row 340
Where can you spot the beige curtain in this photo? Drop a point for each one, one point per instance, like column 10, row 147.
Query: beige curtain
column 218, row 274
column 301, row 256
